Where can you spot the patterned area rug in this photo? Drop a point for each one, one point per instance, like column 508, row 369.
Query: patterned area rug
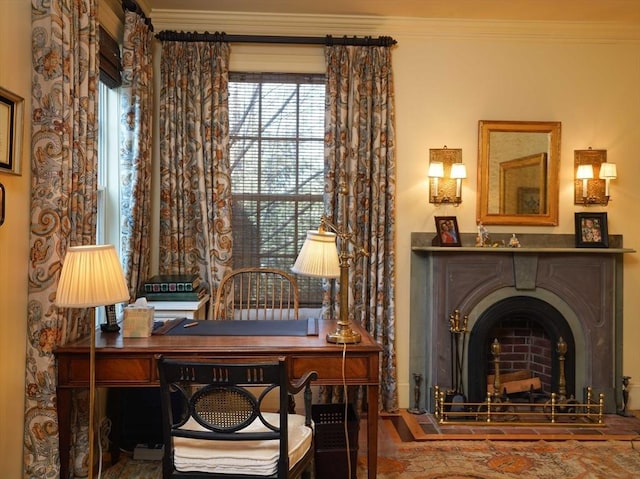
column 475, row 460
column 509, row 459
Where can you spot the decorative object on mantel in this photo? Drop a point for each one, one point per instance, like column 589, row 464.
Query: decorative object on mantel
column 446, row 172
column 591, row 230
column 514, row 242
column 592, row 176
column 483, row 238
column 447, row 232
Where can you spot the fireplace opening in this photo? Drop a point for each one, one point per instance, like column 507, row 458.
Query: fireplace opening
column 528, row 330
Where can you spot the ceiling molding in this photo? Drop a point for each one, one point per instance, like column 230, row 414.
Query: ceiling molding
column 318, row 25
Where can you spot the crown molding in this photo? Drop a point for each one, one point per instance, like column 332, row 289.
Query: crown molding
column 319, row 25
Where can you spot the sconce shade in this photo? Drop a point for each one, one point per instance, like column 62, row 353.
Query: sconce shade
column 436, row 169
column 91, row 276
column 584, row 172
column 458, row 171
column 608, row 171
column 318, row 256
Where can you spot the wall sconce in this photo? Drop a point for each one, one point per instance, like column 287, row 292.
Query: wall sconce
column 592, row 176
column 446, row 172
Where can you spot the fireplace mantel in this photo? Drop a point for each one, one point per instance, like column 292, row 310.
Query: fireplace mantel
column 584, row 284
column 530, row 243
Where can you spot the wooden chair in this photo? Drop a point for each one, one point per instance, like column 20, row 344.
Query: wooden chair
column 257, row 293
column 215, row 425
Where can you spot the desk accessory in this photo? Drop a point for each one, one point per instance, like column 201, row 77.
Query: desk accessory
column 319, row 257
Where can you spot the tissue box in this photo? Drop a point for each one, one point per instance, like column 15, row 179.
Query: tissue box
column 138, row 321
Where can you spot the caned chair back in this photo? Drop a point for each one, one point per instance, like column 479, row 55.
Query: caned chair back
column 215, row 424
column 257, row 294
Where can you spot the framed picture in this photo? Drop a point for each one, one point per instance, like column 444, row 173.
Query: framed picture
column 447, row 233
column 11, row 121
column 591, row 230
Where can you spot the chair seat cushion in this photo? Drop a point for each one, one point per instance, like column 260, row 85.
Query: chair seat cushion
column 238, row 457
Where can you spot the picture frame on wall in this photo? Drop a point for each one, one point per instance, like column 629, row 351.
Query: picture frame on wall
column 447, row 232
column 11, row 124
column 591, row 230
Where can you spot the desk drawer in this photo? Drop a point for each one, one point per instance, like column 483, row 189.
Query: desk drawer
column 111, row 371
column 358, row 369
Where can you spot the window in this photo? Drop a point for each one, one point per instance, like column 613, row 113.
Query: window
column 108, row 213
column 277, row 163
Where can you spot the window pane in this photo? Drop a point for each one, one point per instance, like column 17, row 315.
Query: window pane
column 277, row 157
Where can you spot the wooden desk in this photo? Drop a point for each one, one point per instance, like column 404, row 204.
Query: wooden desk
column 131, row 362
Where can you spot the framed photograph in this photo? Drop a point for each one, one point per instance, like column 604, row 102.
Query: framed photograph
column 11, row 122
column 591, row 230
column 447, row 233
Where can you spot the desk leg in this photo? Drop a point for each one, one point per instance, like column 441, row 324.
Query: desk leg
column 372, row 431
column 64, row 430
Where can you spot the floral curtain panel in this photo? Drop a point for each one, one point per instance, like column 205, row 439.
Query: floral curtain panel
column 195, row 177
column 63, row 210
column 135, row 150
column 360, row 143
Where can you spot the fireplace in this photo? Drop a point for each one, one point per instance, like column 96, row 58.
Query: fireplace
column 529, row 297
column 528, row 330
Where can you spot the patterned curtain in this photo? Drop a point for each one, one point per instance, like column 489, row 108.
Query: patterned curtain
column 63, row 210
column 195, row 175
column 135, row 150
column 360, row 143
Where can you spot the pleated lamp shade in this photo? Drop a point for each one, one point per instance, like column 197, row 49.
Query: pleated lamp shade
column 318, row 256
column 91, row 276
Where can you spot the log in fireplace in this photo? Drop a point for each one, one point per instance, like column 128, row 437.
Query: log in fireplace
column 544, row 290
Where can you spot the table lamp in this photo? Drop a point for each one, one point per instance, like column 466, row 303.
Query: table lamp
column 91, row 276
column 319, row 257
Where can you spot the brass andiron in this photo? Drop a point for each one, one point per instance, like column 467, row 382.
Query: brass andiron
column 496, row 349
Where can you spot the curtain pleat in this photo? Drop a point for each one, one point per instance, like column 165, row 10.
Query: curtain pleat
column 195, row 172
column 360, row 145
column 63, row 210
column 135, row 150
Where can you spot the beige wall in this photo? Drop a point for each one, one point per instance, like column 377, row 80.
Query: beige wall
column 15, row 64
column 448, row 76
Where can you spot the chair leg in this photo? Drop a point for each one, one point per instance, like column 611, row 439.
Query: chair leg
column 292, row 404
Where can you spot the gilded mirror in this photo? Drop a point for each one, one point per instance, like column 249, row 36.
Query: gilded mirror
column 518, row 164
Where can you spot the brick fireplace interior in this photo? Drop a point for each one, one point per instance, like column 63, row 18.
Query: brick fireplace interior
column 528, row 331
column 527, row 298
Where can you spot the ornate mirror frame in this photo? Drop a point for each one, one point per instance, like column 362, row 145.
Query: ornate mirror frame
column 518, row 167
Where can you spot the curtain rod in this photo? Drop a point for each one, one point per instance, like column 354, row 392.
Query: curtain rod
column 169, row 35
column 133, row 6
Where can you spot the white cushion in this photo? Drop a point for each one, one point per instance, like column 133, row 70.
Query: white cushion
column 236, row 457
